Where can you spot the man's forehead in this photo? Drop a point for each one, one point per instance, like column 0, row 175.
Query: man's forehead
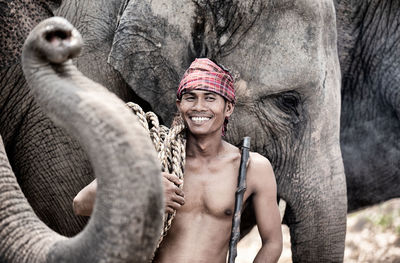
column 198, row 92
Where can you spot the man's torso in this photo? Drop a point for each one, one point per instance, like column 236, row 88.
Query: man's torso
column 201, row 229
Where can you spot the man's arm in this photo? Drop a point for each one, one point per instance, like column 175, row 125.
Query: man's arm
column 263, row 184
column 83, row 202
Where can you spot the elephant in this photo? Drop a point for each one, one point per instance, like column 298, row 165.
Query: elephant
column 285, row 59
column 284, row 56
column 127, row 218
column 369, row 44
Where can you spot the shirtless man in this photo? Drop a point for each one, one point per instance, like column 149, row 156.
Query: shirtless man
column 200, row 231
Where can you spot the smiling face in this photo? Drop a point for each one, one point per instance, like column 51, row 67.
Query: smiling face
column 204, row 112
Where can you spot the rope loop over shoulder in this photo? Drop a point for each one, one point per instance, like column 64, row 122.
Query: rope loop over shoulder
column 170, row 145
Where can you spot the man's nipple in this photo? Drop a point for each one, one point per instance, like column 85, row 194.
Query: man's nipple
column 228, row 212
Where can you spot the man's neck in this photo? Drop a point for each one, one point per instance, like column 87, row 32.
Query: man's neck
column 207, row 147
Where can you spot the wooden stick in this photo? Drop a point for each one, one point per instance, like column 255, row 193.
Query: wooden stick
column 235, row 233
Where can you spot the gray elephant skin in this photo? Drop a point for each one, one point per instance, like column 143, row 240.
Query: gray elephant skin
column 369, row 50
column 284, row 56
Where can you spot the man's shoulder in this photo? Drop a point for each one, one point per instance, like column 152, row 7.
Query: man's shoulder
column 231, row 149
column 260, row 172
column 259, row 161
column 230, row 146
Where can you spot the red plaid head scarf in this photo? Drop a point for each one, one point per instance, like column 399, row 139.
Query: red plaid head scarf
column 203, row 74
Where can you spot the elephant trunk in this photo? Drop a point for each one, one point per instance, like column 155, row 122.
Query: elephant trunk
column 127, row 218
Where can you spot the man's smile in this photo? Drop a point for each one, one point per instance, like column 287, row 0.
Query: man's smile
column 199, row 119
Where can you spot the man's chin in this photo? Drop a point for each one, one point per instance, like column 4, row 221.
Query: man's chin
column 200, row 131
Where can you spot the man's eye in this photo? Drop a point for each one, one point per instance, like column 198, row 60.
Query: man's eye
column 210, row 98
column 189, row 98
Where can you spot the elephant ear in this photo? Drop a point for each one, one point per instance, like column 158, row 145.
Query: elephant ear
column 17, row 19
column 150, row 52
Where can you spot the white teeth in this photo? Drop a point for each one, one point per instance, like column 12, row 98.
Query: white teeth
column 200, row 119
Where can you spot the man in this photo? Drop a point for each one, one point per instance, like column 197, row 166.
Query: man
column 200, row 231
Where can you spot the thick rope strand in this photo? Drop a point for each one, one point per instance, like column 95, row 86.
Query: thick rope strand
column 170, row 145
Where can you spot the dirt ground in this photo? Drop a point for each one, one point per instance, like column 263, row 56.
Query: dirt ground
column 373, row 236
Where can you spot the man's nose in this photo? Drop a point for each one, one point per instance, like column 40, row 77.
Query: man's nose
column 199, row 105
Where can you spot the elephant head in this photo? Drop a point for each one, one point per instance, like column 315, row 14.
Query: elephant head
column 127, row 217
column 284, row 57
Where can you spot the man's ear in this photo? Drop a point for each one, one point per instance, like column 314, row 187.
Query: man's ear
column 229, row 108
column 178, row 104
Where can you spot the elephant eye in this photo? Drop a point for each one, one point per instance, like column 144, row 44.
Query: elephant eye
column 285, row 108
column 289, row 102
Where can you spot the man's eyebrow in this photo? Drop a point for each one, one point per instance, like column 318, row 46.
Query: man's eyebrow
column 205, row 93
column 189, row 93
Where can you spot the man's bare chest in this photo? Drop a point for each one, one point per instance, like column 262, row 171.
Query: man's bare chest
column 210, row 190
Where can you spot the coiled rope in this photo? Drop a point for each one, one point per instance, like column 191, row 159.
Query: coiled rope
column 170, row 145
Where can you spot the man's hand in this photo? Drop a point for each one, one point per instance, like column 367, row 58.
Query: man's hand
column 174, row 197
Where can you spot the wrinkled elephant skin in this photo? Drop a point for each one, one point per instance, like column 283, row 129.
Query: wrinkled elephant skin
column 369, row 49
